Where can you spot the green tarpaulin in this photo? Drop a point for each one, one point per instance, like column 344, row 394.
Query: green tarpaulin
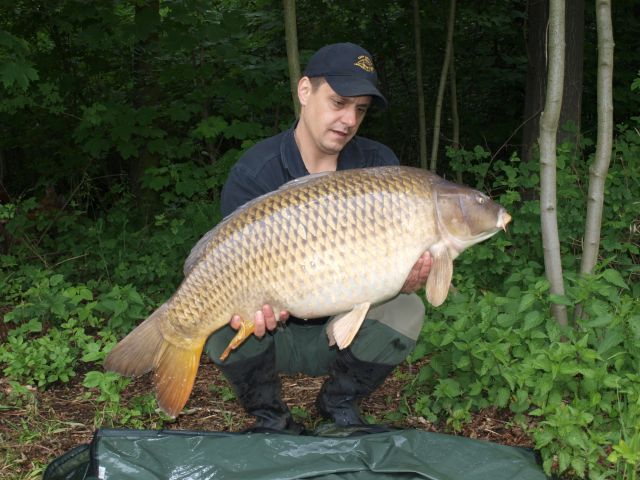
column 404, row 454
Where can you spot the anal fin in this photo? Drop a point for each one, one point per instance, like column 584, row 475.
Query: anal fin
column 343, row 328
column 245, row 331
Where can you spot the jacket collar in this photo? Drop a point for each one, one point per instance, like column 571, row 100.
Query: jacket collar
column 350, row 157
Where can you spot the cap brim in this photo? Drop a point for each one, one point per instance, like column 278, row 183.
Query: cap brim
column 352, row 86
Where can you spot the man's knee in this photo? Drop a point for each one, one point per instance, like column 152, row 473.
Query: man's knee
column 378, row 343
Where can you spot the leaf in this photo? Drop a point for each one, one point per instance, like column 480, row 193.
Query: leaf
column 506, row 320
column 502, row 397
column 211, row 127
column 96, row 146
column 543, row 438
column 611, row 381
column 612, row 339
column 564, row 459
column 448, row 388
column 447, row 338
column 532, row 320
column 127, row 149
column 242, row 130
column 600, row 321
column 634, row 325
column 93, row 379
column 188, row 188
column 613, row 276
column 19, row 72
column 59, row 308
column 578, row 464
column 526, row 301
column 559, row 299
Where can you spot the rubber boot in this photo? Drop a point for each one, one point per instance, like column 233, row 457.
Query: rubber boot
column 259, row 390
column 349, row 380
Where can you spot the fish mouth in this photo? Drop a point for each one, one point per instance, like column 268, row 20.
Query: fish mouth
column 503, row 220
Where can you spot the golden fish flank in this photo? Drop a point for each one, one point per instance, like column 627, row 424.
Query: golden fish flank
column 325, row 244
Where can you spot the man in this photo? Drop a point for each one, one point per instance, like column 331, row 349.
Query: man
column 337, row 88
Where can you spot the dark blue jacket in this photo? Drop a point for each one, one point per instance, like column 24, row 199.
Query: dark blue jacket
column 275, row 161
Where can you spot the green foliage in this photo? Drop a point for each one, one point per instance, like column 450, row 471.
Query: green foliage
column 223, row 392
column 140, row 412
column 507, row 351
column 495, row 342
column 510, row 181
column 300, row 414
column 131, row 88
column 54, row 324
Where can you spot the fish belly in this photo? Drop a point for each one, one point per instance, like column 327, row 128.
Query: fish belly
column 321, row 288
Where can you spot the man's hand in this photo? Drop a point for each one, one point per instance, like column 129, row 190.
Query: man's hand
column 264, row 319
column 418, row 275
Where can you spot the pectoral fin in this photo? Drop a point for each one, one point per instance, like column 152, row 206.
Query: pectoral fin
column 343, row 328
column 439, row 278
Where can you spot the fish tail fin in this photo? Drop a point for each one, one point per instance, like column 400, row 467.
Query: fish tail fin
column 136, row 353
column 175, row 374
column 146, row 349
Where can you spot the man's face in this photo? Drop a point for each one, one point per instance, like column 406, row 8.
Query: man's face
column 330, row 119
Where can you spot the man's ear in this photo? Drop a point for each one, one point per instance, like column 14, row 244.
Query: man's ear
column 304, row 90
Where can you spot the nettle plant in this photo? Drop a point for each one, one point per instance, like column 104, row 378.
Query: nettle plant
column 571, row 388
column 56, row 324
column 576, row 390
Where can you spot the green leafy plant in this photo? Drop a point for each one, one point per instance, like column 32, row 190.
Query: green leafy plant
column 140, row 412
column 222, row 392
column 568, row 388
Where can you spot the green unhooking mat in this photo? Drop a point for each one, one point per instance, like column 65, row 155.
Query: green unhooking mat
column 404, row 454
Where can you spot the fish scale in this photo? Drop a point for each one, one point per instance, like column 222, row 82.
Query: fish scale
column 322, row 245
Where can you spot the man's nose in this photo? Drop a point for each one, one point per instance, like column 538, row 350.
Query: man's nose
column 349, row 116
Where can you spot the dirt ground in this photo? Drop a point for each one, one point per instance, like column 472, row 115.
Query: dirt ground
column 33, row 434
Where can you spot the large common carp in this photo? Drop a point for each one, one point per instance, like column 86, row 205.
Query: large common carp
column 326, row 244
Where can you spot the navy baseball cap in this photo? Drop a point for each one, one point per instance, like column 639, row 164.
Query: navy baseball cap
column 349, row 71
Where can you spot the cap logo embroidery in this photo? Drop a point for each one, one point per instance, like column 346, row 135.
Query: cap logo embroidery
column 365, row 63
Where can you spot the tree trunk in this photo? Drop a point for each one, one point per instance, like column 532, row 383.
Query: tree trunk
column 600, row 166
column 443, row 81
column 147, row 19
column 536, row 36
column 536, row 33
column 571, row 112
column 293, row 57
column 422, row 122
column 455, row 118
column 199, row 82
column 2, row 169
column 547, row 141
